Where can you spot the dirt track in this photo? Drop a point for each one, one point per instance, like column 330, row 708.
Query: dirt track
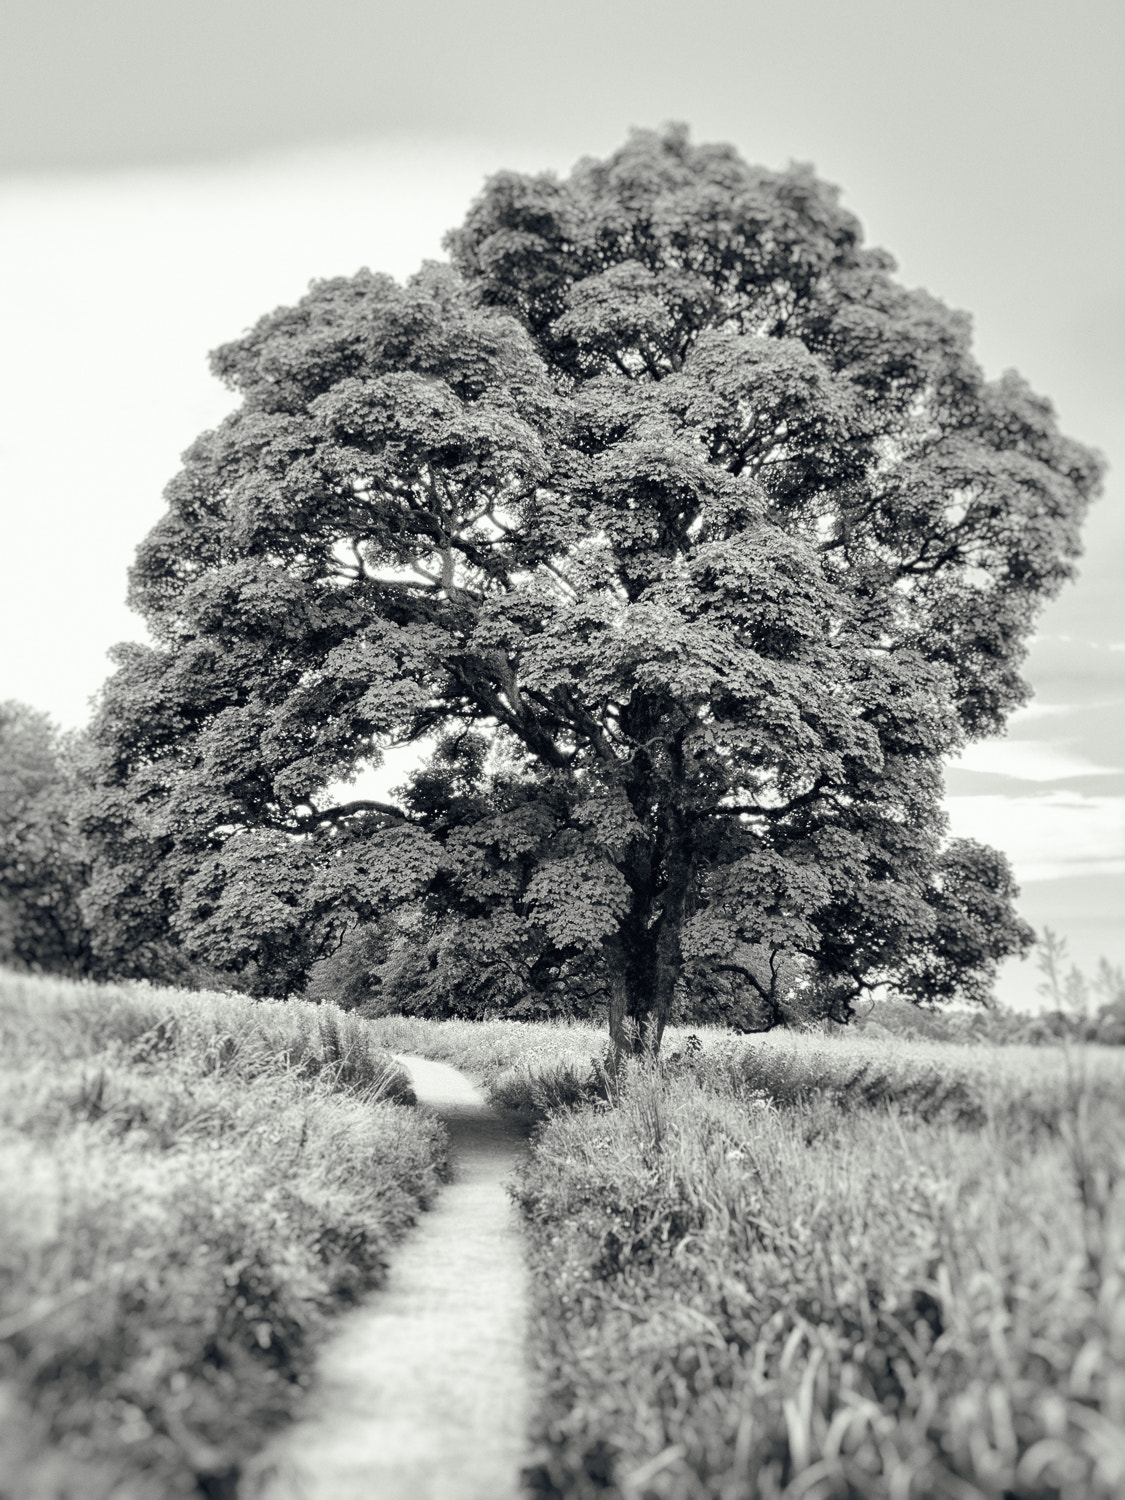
column 423, row 1394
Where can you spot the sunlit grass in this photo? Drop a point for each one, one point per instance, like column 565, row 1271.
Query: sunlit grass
column 841, row 1294
column 538, row 1066
column 511, row 1058
column 810, row 1265
column 192, row 1185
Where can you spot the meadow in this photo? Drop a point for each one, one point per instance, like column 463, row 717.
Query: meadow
column 843, row 1266
column 847, row 1266
column 834, row 1269
column 193, row 1186
column 854, row 1265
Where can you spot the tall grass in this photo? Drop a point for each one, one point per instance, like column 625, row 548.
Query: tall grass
column 537, row 1067
column 749, row 1286
column 1029, row 1087
column 192, row 1185
column 528, row 1067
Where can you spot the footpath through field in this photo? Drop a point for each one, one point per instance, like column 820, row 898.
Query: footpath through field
column 423, row 1395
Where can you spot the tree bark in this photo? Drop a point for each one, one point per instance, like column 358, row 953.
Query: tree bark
column 644, row 959
column 668, row 954
column 619, row 995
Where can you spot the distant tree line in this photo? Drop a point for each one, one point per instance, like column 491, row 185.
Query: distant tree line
column 47, row 783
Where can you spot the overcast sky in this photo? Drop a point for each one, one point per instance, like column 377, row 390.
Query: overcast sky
column 170, row 171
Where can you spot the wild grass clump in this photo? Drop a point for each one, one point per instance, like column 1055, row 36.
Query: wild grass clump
column 876, row 1303
column 192, row 1186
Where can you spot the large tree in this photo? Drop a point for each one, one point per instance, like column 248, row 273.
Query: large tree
column 683, row 540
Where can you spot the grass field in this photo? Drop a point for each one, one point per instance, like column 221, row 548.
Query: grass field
column 824, row 1267
column 835, row 1269
column 192, row 1186
column 828, row 1267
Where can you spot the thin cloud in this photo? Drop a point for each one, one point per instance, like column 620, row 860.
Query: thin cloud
column 1049, row 836
column 1029, row 760
column 1034, row 711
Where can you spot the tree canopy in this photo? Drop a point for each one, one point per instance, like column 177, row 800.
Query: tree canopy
column 681, row 538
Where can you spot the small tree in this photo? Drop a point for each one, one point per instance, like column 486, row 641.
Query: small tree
column 42, row 861
column 682, row 538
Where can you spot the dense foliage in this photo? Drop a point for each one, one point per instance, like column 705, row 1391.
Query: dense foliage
column 42, row 860
column 681, row 538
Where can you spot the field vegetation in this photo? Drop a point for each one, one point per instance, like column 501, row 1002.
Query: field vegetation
column 526, row 1067
column 881, row 1263
column 848, row 1268
column 884, row 1263
column 192, row 1185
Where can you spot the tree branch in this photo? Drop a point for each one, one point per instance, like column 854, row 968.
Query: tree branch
column 404, row 583
column 361, row 804
column 755, row 811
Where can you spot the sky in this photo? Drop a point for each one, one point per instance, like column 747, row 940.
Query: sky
column 170, row 172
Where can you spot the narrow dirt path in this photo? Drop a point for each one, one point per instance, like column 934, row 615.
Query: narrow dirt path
column 423, row 1395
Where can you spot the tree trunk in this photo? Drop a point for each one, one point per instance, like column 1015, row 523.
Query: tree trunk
column 668, row 955
column 644, row 959
column 620, row 998
column 630, row 988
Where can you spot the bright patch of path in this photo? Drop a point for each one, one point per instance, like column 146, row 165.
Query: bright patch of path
column 424, row 1394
